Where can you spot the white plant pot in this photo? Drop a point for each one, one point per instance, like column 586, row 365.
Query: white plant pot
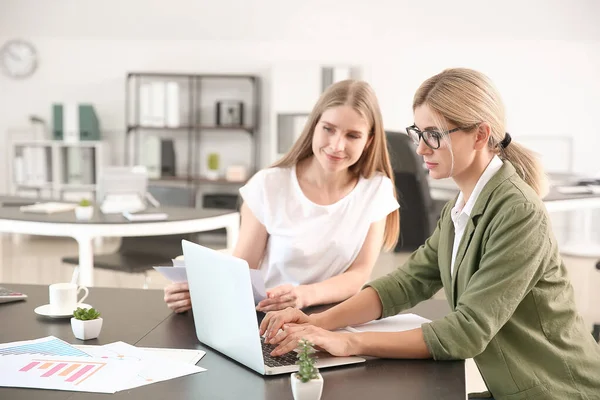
column 86, row 330
column 310, row 390
column 84, row 213
column 213, row 175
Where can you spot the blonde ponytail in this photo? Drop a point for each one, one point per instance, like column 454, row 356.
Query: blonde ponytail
column 527, row 165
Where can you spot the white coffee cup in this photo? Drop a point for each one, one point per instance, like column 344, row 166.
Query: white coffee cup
column 63, row 297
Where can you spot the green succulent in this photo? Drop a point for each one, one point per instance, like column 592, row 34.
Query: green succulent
column 85, row 203
column 306, row 362
column 85, row 314
column 213, row 161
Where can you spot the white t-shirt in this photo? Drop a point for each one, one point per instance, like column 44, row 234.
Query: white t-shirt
column 307, row 242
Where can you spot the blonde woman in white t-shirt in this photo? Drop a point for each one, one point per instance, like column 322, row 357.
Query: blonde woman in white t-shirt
column 315, row 222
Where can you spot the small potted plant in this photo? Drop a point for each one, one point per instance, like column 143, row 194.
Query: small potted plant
column 307, row 383
column 84, row 210
column 213, row 166
column 86, row 323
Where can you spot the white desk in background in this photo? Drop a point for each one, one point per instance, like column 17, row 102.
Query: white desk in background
column 555, row 201
column 179, row 221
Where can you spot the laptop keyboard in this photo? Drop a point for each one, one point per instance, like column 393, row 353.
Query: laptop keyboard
column 278, row 361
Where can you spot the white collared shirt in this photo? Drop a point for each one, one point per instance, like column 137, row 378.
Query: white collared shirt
column 461, row 212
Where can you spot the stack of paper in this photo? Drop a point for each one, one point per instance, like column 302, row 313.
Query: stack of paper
column 50, row 363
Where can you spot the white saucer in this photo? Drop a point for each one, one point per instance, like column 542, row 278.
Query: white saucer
column 46, row 311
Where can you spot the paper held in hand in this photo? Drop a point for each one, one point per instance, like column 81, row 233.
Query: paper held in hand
column 177, row 274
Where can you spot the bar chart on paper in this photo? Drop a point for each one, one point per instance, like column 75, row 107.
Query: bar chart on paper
column 73, row 372
column 82, row 374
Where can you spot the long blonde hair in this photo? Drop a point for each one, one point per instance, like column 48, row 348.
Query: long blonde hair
column 464, row 97
column 375, row 157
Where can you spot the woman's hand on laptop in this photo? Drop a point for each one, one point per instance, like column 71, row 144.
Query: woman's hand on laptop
column 177, row 297
column 282, row 297
column 274, row 321
column 337, row 344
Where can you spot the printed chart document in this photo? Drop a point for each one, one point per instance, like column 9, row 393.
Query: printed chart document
column 397, row 323
column 153, row 368
column 50, row 363
column 80, row 374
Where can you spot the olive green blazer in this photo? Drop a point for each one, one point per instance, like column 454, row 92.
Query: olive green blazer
column 513, row 308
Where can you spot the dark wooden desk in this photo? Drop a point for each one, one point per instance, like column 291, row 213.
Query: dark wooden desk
column 140, row 317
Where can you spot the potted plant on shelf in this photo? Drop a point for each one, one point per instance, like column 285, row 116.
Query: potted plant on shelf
column 307, row 383
column 84, row 210
column 86, row 323
column 213, row 166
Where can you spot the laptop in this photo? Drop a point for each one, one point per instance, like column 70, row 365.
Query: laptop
column 225, row 314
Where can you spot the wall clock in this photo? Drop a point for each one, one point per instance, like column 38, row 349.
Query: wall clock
column 18, row 59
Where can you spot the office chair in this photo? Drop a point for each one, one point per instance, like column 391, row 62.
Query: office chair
column 137, row 255
column 418, row 211
column 596, row 331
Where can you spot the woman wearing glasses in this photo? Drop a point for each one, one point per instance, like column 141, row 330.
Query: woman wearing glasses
column 493, row 252
column 316, row 221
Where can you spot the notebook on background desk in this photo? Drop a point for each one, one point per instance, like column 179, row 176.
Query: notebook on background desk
column 8, row 295
column 145, row 216
column 48, row 208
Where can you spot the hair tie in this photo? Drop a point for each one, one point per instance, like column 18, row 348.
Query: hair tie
column 506, row 141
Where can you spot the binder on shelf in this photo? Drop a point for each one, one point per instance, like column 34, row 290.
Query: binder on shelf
column 57, row 122
column 172, row 117
column 167, row 158
column 331, row 75
column 150, row 156
column 74, row 166
column 71, row 123
column 74, row 122
column 145, row 101
column 88, row 165
column 89, row 126
column 159, row 104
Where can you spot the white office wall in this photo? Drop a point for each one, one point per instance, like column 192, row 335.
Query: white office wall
column 544, row 55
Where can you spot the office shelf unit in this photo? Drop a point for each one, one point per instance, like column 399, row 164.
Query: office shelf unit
column 192, row 115
column 52, row 168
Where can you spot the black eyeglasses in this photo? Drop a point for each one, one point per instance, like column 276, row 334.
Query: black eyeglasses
column 432, row 138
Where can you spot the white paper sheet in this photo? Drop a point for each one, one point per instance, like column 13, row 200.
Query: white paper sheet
column 397, row 323
column 174, row 274
column 258, row 285
column 178, row 263
column 185, row 356
column 80, row 374
column 153, row 368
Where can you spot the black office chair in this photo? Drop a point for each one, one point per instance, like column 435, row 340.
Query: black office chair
column 419, row 213
column 596, row 331
column 137, row 255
